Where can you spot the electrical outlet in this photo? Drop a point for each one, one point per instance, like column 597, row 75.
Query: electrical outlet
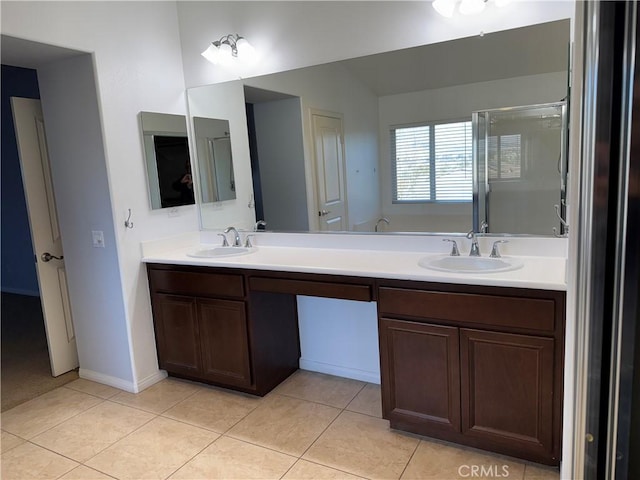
column 97, row 237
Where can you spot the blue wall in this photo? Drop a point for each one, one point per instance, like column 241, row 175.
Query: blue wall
column 17, row 263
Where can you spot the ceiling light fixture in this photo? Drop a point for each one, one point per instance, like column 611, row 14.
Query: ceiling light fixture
column 228, row 48
column 447, row 8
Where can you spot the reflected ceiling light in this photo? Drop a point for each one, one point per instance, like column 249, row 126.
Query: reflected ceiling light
column 446, row 8
column 228, row 48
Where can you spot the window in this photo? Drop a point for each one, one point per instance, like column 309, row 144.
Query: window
column 505, row 157
column 432, row 163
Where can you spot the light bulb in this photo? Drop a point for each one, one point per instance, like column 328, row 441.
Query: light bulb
column 471, row 7
column 445, row 7
column 246, row 52
column 212, row 54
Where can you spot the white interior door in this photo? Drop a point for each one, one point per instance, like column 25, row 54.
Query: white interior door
column 45, row 232
column 330, row 178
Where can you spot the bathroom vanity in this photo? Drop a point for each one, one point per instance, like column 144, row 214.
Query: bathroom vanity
column 480, row 365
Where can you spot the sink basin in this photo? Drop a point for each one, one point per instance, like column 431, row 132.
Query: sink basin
column 220, row 252
column 470, row 264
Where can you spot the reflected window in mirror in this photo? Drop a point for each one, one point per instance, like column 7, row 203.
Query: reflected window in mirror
column 432, row 162
column 167, row 159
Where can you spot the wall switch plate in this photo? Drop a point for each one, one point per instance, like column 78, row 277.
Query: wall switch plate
column 97, row 237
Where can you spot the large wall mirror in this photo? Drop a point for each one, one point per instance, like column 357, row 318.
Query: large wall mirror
column 404, row 141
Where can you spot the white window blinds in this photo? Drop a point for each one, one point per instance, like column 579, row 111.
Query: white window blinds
column 432, row 163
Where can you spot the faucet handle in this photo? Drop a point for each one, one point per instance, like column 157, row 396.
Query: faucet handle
column 495, row 253
column 247, row 241
column 454, row 248
column 224, row 239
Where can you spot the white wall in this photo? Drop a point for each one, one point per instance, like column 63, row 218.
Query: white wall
column 138, row 67
column 452, row 103
column 290, row 34
column 280, row 150
column 75, row 142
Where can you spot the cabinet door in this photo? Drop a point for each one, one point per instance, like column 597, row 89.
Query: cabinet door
column 225, row 342
column 177, row 333
column 420, row 376
column 507, row 391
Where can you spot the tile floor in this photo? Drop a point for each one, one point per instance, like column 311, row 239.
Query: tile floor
column 312, row 426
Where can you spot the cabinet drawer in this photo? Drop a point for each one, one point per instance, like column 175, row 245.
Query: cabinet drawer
column 197, row 284
column 312, row 288
column 468, row 308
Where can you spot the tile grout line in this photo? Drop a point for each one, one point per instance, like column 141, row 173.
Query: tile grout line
column 410, row 458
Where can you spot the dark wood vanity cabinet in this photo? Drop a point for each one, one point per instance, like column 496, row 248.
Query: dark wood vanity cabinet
column 480, row 366
column 475, row 365
column 208, row 328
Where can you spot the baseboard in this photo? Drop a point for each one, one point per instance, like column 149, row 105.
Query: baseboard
column 21, row 291
column 355, row 374
column 151, row 380
column 120, row 383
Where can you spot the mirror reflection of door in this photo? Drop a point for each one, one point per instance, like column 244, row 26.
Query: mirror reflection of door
column 215, row 162
column 328, row 148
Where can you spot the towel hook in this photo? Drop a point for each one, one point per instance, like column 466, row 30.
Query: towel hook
column 128, row 223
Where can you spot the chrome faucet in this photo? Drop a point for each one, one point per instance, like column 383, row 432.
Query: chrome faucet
column 236, row 238
column 380, row 220
column 475, row 249
column 259, row 223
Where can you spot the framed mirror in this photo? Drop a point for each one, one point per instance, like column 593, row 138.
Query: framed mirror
column 166, row 152
column 319, row 143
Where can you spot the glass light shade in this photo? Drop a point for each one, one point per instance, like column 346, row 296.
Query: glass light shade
column 226, row 54
column 246, row 52
column 212, row 54
column 445, row 7
column 502, row 3
column 471, row 7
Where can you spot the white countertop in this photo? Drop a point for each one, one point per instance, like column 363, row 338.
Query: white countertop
column 537, row 272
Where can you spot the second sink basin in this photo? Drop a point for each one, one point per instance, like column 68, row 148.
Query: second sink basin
column 470, row 264
column 215, row 252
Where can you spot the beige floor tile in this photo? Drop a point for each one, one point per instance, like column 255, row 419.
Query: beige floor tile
column 156, row 450
column 320, row 388
column 434, row 460
column 93, row 388
column 368, row 401
column 364, row 446
column 285, row 424
column 9, row 441
column 215, row 409
column 29, row 461
column 227, row 458
column 159, row 397
column 46, row 411
column 87, row 434
column 533, row 472
column 304, row 470
column 85, row 473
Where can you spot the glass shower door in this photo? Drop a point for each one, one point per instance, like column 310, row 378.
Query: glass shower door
column 521, row 157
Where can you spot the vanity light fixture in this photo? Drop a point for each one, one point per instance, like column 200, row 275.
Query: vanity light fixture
column 447, row 8
column 228, row 48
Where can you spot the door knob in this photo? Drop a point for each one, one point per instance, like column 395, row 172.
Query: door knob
column 47, row 257
column 322, row 213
